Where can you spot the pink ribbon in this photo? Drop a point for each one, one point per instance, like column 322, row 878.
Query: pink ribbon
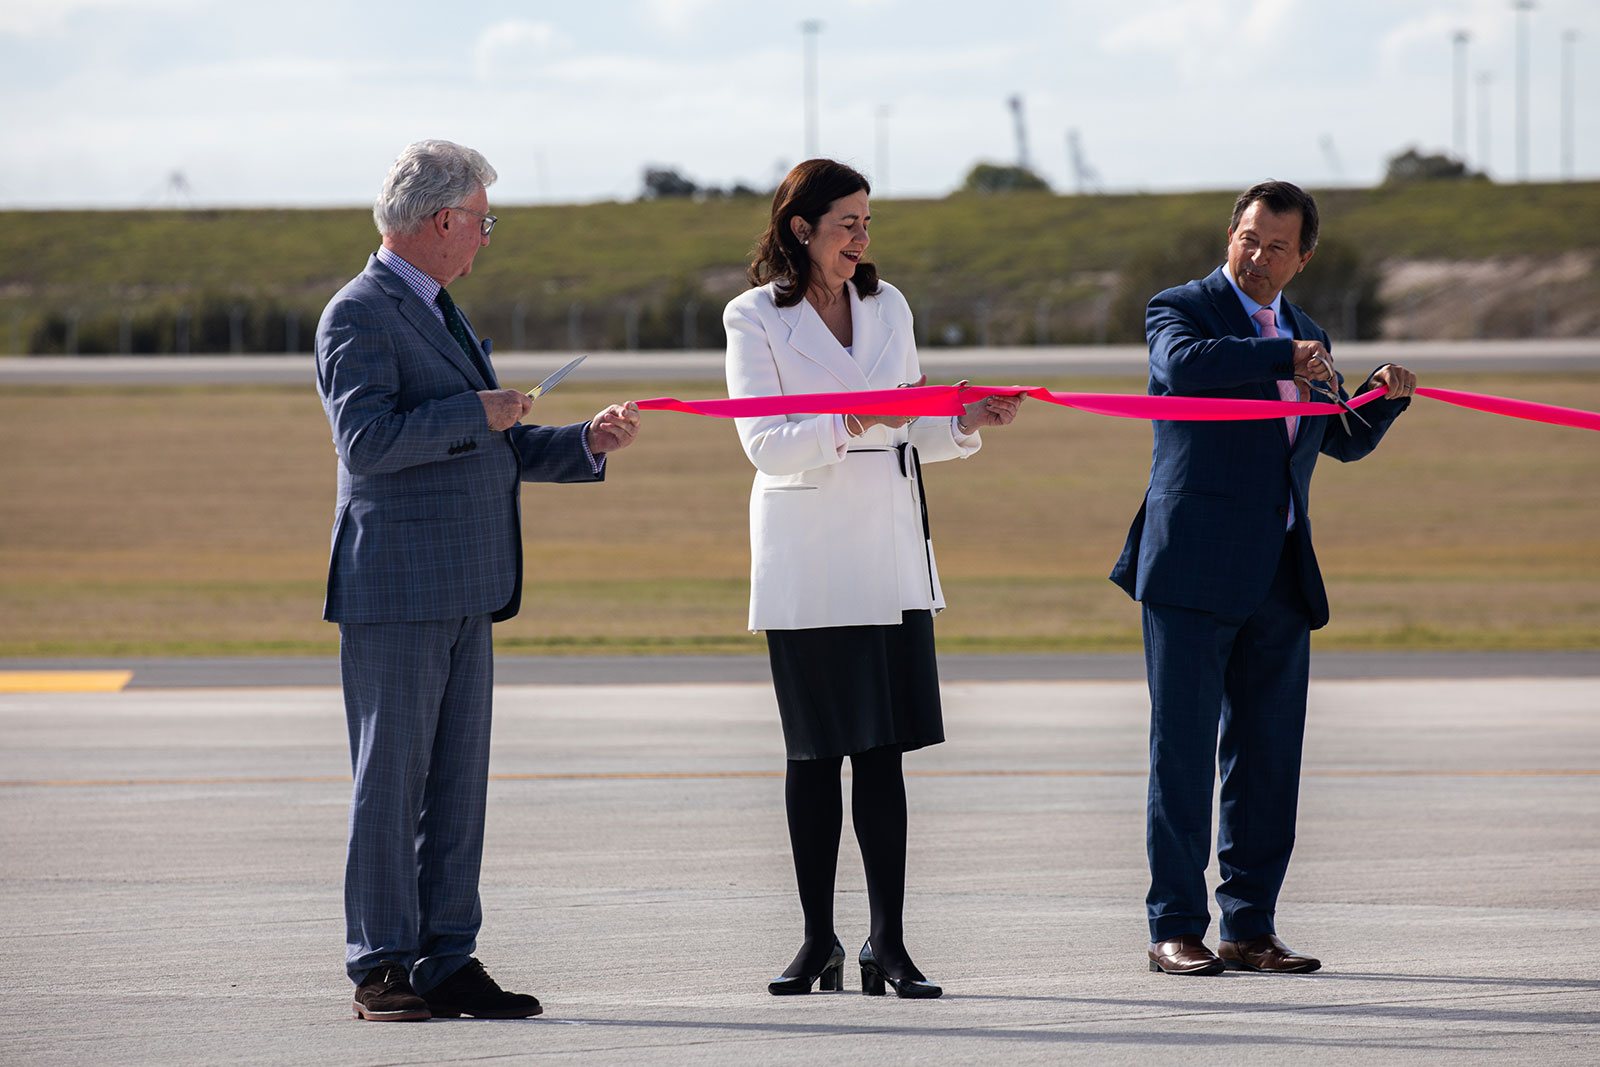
column 951, row 399
column 922, row 400
column 1516, row 409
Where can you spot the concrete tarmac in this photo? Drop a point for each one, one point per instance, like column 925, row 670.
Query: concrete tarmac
column 986, row 366
column 172, row 867
column 255, row 671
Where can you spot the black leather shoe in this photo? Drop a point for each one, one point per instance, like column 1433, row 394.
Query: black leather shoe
column 1184, row 954
column 831, row 976
column 470, row 991
column 1265, row 954
column 873, row 977
column 385, row 996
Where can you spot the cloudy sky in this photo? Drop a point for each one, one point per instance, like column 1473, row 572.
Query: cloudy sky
column 302, row 102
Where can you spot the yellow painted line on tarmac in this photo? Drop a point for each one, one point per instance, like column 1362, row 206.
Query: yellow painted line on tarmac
column 613, row 776
column 64, row 681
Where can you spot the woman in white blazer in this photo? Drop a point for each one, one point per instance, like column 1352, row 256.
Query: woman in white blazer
column 842, row 574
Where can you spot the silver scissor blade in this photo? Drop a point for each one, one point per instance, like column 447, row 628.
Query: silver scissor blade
column 1323, row 390
column 1332, row 387
column 551, row 382
column 1354, row 414
column 1334, row 397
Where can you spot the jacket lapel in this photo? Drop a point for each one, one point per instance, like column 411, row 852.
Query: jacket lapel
column 1226, row 302
column 810, row 337
column 421, row 317
column 870, row 335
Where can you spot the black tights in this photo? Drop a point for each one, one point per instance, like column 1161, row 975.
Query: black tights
column 816, row 815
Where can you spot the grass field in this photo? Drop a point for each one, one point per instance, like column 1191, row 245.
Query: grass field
column 195, row 521
column 1012, row 255
column 592, row 251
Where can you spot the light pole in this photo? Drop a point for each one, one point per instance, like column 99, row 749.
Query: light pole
column 1522, row 8
column 1460, row 38
column 1569, row 38
column 882, row 162
column 1483, row 121
column 810, row 28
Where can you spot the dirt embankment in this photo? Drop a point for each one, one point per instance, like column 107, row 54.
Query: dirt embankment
column 1510, row 296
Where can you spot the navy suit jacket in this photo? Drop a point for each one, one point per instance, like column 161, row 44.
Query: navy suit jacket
column 428, row 522
column 1211, row 529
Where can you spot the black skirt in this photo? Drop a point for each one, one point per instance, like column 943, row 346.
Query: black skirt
column 847, row 689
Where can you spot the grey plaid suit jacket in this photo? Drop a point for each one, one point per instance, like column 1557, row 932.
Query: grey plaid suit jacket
column 428, row 522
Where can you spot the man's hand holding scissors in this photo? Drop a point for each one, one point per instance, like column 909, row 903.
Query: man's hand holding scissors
column 1320, row 377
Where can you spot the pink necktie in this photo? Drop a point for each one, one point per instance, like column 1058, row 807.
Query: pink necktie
column 1287, row 391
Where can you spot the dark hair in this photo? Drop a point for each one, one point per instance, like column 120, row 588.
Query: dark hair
column 1282, row 198
column 806, row 192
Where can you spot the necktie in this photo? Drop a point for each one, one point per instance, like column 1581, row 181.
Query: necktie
column 458, row 329
column 1288, row 390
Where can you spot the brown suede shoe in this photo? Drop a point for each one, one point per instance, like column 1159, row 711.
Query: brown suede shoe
column 1184, row 954
column 385, row 996
column 1265, row 954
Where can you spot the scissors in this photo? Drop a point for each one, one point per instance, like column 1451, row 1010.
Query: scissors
column 1330, row 390
column 551, row 382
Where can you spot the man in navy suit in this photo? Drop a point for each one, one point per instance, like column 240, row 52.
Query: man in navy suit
column 427, row 553
column 1220, row 556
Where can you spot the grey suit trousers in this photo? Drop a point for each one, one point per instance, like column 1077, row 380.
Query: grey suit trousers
column 418, row 698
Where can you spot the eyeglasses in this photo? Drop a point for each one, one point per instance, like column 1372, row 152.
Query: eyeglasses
column 488, row 220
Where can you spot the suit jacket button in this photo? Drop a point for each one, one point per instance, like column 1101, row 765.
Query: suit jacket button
column 1283, row 512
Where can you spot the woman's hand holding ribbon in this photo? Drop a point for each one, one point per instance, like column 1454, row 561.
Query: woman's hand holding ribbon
column 857, row 424
column 998, row 409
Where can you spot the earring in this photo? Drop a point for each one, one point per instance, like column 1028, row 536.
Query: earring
column 805, row 240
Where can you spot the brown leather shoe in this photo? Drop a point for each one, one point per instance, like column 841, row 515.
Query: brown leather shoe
column 1265, row 954
column 386, row 996
column 1184, row 954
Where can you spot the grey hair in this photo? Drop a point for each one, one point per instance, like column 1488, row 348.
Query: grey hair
column 428, row 177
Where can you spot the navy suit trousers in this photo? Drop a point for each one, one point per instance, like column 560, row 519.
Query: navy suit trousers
column 1233, row 688
column 418, row 699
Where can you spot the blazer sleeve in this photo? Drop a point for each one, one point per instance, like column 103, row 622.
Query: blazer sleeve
column 936, row 439
column 1186, row 358
column 776, row 444
column 1361, row 440
column 359, row 374
column 555, row 453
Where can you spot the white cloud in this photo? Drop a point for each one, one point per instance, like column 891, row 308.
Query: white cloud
column 675, row 15
column 1172, row 27
column 1265, row 20
column 34, row 18
column 516, row 47
column 1428, row 30
column 1201, row 34
column 1489, row 26
column 110, row 96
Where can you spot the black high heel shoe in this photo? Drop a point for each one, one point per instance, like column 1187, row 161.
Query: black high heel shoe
column 831, row 976
column 873, row 976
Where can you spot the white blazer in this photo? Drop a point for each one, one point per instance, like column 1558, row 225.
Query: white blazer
column 836, row 535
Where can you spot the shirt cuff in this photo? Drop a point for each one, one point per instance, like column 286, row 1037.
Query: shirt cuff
column 955, row 430
column 841, row 434
column 596, row 464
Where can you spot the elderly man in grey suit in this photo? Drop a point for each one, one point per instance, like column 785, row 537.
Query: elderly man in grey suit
column 427, row 553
